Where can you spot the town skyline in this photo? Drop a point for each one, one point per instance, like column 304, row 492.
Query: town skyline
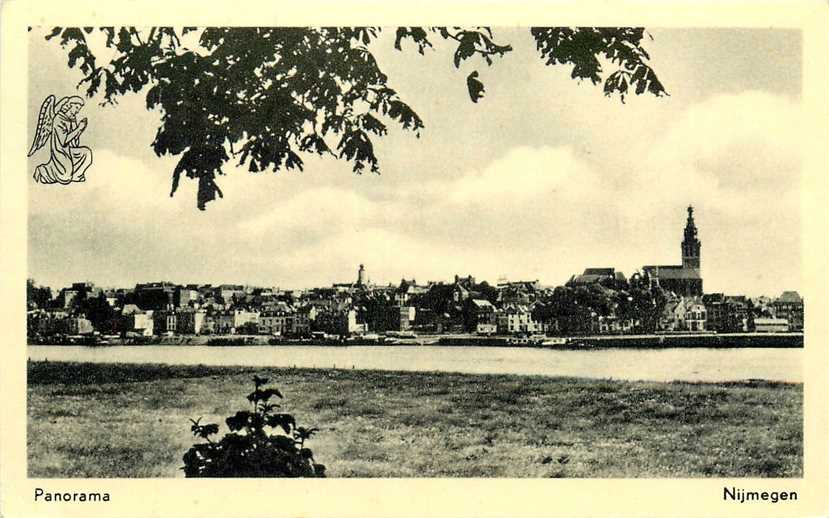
column 426, row 282
column 665, row 298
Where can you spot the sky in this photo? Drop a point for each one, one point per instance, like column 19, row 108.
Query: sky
column 542, row 178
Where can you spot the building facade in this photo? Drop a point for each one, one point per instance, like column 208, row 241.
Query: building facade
column 684, row 314
column 190, row 321
column 789, row 306
column 139, row 322
column 484, row 318
column 771, row 325
column 517, row 320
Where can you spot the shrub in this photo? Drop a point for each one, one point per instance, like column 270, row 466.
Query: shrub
column 261, row 443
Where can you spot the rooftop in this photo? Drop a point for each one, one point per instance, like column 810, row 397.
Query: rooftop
column 790, row 296
column 672, row 272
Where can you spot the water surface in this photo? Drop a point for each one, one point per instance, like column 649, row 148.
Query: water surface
column 680, row 364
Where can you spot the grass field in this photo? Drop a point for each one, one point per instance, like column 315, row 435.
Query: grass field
column 116, row 420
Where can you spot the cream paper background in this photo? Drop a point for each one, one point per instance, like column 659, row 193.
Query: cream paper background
column 410, row 497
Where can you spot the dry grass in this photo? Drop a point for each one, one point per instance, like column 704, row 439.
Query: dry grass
column 97, row 420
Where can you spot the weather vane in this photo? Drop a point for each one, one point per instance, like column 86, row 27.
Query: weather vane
column 56, row 123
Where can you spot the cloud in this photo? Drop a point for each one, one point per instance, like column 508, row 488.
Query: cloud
column 525, row 173
column 113, row 182
column 744, row 146
column 527, row 195
column 310, row 216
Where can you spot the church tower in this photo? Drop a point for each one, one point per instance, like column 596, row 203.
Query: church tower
column 690, row 245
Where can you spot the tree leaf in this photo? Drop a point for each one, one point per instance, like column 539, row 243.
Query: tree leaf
column 284, row 421
column 263, row 395
column 475, row 87
column 239, row 421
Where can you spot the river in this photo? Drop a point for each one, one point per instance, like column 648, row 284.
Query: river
column 676, row 364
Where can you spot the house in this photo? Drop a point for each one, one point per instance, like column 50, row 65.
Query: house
column 408, row 291
column 738, row 314
column 611, row 324
column 47, row 322
column 134, row 320
column 139, row 322
column 683, row 314
column 277, row 320
column 191, row 321
column 789, row 306
column 78, row 325
column 771, row 325
column 237, row 321
column 513, row 319
column 402, row 318
column 209, row 325
column 483, row 320
column 142, row 323
column 185, row 296
column 341, row 322
column 165, row 321
column 551, row 326
column 727, row 314
column 153, row 295
column 302, row 321
column 447, row 323
column 715, row 308
column 671, row 317
column 695, row 315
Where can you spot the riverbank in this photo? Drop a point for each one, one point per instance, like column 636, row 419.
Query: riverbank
column 654, row 341
column 662, row 341
column 118, row 420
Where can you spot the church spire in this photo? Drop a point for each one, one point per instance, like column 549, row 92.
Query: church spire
column 691, row 245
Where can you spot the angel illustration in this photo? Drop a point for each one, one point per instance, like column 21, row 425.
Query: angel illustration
column 57, row 124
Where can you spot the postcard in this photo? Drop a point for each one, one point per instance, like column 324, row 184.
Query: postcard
column 361, row 259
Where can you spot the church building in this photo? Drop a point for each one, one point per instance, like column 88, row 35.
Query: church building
column 684, row 279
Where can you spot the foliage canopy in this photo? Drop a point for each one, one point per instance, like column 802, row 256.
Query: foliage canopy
column 262, row 96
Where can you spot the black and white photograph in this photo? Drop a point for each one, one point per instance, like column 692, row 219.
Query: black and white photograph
column 415, row 252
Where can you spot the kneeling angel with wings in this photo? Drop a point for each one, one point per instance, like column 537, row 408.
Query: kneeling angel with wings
column 56, row 123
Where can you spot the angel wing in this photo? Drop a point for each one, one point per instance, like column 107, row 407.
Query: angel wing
column 44, row 124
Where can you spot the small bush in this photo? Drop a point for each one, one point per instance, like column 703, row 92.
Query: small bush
column 261, row 443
